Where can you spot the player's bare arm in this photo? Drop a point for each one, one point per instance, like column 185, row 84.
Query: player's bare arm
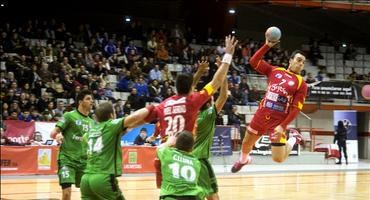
column 57, row 135
column 230, row 44
column 202, row 68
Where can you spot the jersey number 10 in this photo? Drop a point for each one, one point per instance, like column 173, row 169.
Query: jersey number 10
column 187, row 172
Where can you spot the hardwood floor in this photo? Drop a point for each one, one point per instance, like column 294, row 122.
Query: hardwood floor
column 353, row 185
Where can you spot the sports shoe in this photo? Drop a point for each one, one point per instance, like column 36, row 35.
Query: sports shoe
column 238, row 165
column 297, row 135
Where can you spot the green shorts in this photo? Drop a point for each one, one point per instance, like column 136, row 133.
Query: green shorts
column 100, row 186
column 69, row 172
column 207, row 179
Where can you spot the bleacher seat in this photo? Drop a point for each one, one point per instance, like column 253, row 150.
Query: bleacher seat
column 347, row 70
column 339, row 76
column 361, row 50
column 124, row 95
column 330, row 62
column 359, row 63
column 367, row 64
column 349, row 63
column 342, row 49
column 367, row 57
column 360, row 57
column 339, row 69
column 338, row 56
column 253, row 109
column 171, row 67
column 321, row 62
column 248, row 118
column 339, row 63
column 330, row 49
column 359, row 70
column 330, row 69
column 330, row 56
column 323, row 49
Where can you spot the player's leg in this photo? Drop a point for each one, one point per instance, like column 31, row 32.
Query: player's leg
column 86, row 192
column 66, row 175
column 207, row 180
column 105, row 187
column 281, row 148
column 249, row 140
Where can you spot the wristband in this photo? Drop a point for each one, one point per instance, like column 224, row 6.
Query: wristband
column 227, row 58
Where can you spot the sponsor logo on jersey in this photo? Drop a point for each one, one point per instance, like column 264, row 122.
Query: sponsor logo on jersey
column 115, row 121
column 78, row 122
column 288, row 75
column 291, row 83
column 274, row 106
column 278, row 75
column 277, row 88
column 272, row 96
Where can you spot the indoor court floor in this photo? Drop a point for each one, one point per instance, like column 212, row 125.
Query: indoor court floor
column 255, row 182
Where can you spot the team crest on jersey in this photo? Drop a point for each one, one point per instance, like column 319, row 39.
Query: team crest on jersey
column 78, row 122
column 278, row 75
column 291, row 83
column 115, row 121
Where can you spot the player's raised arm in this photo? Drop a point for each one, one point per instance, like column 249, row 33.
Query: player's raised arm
column 218, row 78
column 221, row 99
column 202, row 68
column 256, row 61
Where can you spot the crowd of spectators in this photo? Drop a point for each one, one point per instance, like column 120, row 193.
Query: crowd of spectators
column 45, row 61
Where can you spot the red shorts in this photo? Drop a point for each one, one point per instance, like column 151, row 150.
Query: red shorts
column 264, row 122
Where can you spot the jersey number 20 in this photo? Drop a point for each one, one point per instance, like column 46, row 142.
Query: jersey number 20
column 175, row 124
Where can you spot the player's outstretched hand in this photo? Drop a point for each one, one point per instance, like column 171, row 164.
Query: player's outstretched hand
column 271, row 44
column 203, row 66
column 59, row 138
column 230, row 44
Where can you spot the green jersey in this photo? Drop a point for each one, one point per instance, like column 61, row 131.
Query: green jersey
column 104, row 148
column 206, row 122
column 180, row 172
column 74, row 125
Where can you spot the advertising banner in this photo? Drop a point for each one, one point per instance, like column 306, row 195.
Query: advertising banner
column 138, row 159
column 349, row 118
column 19, row 132
column 221, row 144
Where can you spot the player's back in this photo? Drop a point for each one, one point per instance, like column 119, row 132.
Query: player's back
column 179, row 113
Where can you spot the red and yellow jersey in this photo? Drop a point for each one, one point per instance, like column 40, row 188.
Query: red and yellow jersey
column 285, row 88
column 179, row 113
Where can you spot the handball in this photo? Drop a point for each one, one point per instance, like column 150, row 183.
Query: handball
column 273, row 34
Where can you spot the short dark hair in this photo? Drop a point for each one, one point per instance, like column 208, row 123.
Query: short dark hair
column 81, row 95
column 185, row 141
column 143, row 129
column 104, row 111
column 295, row 52
column 184, row 83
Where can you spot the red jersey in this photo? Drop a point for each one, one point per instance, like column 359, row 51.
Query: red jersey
column 285, row 88
column 179, row 113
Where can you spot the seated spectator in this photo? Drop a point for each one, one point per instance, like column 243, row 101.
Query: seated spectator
column 166, row 74
column 37, row 139
column 162, row 54
column 142, row 88
column 234, row 78
column 151, row 47
column 155, row 91
column 314, row 53
column 319, row 76
column 310, row 78
column 124, row 81
column 254, row 95
column 25, row 116
column 353, row 76
column 155, row 74
column 110, row 48
column 141, row 138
